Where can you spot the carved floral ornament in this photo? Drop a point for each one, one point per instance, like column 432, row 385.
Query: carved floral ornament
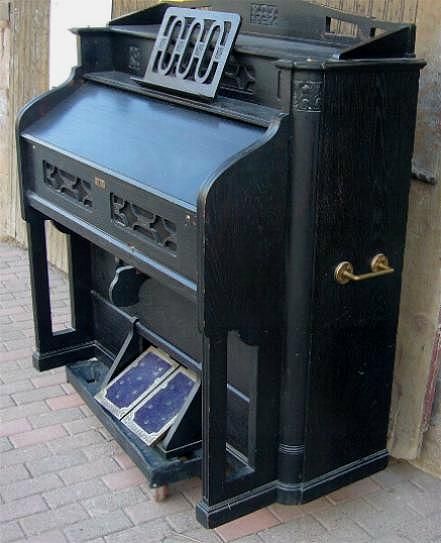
column 307, row 95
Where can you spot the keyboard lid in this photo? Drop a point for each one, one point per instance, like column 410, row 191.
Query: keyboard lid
column 160, row 145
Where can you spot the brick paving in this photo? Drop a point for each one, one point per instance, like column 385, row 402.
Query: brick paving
column 64, row 480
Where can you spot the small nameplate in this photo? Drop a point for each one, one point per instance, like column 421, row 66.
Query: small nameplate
column 264, row 14
column 100, row 183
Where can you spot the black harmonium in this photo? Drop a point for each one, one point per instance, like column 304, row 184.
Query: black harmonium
column 233, row 185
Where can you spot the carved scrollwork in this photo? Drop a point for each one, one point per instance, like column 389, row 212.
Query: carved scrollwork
column 239, row 77
column 135, row 59
column 70, row 185
column 307, row 96
column 143, row 222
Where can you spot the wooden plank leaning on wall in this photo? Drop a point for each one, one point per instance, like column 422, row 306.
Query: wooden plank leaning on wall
column 417, row 360
column 415, row 367
column 5, row 40
column 25, row 27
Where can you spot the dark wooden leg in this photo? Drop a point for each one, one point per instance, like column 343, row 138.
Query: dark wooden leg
column 79, row 274
column 55, row 349
column 252, row 483
column 40, row 283
column 214, row 423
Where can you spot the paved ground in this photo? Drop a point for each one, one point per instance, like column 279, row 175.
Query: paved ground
column 63, row 478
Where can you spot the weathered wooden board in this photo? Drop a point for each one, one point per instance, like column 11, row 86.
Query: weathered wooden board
column 28, row 69
column 392, row 10
column 121, row 7
column 416, row 369
column 5, row 38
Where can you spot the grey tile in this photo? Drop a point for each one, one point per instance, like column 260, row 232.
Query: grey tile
column 103, row 504
column 56, row 518
column 53, row 536
column 249, row 539
column 303, row 529
column 149, row 509
column 37, row 394
column 395, row 473
column 150, row 532
column 76, row 492
column 29, row 487
column 426, row 481
column 56, row 462
column 392, row 539
column 80, row 441
column 17, row 387
column 183, row 521
column 60, row 416
column 21, row 508
column 83, row 425
column 11, row 474
column 332, row 518
column 6, row 401
column 386, row 522
column 5, row 444
column 101, row 449
column 427, row 530
column 424, row 502
column 97, row 527
column 23, row 411
column 25, row 454
column 88, row 471
column 10, row 531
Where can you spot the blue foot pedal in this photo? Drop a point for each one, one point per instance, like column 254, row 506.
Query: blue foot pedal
column 156, row 413
column 136, row 382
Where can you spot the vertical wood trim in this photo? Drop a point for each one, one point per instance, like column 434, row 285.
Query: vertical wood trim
column 5, row 125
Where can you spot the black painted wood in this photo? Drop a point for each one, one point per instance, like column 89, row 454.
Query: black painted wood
column 179, row 150
column 361, row 204
column 235, row 214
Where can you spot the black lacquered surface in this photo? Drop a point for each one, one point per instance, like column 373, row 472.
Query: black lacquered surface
column 168, row 148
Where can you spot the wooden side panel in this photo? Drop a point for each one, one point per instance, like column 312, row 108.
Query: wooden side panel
column 421, row 289
column 420, row 299
column 362, row 199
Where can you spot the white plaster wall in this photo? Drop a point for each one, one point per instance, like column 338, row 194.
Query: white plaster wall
column 66, row 14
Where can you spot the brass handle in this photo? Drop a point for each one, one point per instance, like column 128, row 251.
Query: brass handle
column 344, row 272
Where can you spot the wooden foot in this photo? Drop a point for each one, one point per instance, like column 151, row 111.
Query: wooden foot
column 161, row 493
